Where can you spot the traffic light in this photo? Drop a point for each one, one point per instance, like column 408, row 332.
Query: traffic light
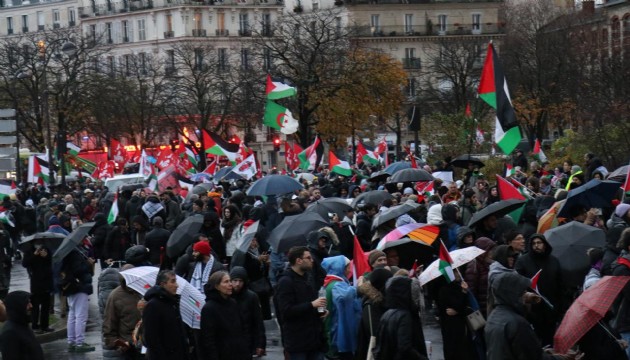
column 276, row 144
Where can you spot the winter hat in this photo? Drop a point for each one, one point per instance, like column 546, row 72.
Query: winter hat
column 379, row 277
column 70, row 209
column 137, row 255
column 29, row 202
column 374, row 255
column 202, row 247
column 53, row 220
column 575, row 168
column 239, row 272
column 434, row 216
column 622, row 209
column 408, row 191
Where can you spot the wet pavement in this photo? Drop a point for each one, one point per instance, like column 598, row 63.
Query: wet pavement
column 55, row 345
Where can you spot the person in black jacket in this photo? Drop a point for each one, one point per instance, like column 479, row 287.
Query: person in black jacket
column 302, row 326
column 250, row 309
column 17, row 340
column 155, row 241
column 211, row 228
column 223, row 335
column 118, row 241
column 76, row 285
column 38, row 262
column 400, row 333
column 373, row 294
column 99, row 236
column 164, row 334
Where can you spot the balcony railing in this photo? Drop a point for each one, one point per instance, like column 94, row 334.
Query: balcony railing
column 199, row 33
column 222, row 32
column 25, row 29
column 361, row 2
column 244, row 32
column 169, row 34
column 56, row 25
column 424, row 30
column 411, row 63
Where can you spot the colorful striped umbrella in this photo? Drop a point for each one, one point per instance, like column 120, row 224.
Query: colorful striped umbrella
column 420, row 232
column 550, row 218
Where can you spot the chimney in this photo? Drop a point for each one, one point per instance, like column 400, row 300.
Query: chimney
column 588, row 6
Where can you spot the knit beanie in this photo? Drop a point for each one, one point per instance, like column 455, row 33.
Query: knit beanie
column 374, row 255
column 202, row 247
column 622, row 209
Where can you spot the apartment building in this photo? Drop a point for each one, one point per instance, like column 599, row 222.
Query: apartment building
column 22, row 17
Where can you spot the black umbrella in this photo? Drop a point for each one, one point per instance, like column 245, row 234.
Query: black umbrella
column 392, row 213
column 374, row 197
column 569, row 244
column 409, row 251
column 225, row 173
column 379, row 176
column 292, row 230
column 183, row 235
column 619, row 175
column 335, row 205
column 593, row 194
column 498, row 209
column 202, row 188
column 51, row 240
column 397, row 166
column 411, row 175
column 71, row 241
column 463, row 161
column 274, row 185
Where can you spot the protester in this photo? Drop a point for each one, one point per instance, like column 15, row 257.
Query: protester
column 250, row 310
column 17, row 340
column 76, row 285
column 38, row 263
column 372, row 293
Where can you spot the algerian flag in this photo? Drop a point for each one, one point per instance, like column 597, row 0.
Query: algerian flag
column 113, row 212
column 277, row 90
column 246, row 168
column 280, row 118
column 446, row 263
column 6, row 218
column 73, row 149
column 341, row 167
column 538, row 152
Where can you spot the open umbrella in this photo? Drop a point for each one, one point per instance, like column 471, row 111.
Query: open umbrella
column 619, row 175
column 71, row 241
column 397, row 166
column 292, row 230
column 202, row 188
column 416, row 231
column 201, row 177
column 374, row 196
column 51, row 240
column 392, row 213
column 570, row 243
column 274, row 185
column 183, row 235
column 305, row 176
column 498, row 209
column 378, row 176
column 409, row 251
column 191, row 301
column 459, row 257
column 463, row 161
column 411, row 175
column 593, row 194
column 589, row 308
column 335, row 205
column 550, row 218
column 225, row 173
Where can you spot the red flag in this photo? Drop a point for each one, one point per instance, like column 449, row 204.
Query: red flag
column 361, row 152
column 412, row 158
column 360, row 260
column 534, row 284
column 468, row 113
column 507, row 190
column 626, row 186
column 13, row 186
column 118, row 153
column 211, row 169
column 414, row 269
column 104, row 170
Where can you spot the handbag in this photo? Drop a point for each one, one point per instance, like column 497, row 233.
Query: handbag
column 475, row 320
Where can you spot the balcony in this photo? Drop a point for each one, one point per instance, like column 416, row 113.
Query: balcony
column 170, row 70
column 10, row 31
column 56, row 25
column 199, row 33
column 25, row 29
column 244, row 32
column 169, row 34
column 222, row 32
column 71, row 23
column 362, row 2
column 411, row 63
column 266, row 31
column 423, row 30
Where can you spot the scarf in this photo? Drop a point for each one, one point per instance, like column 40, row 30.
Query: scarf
column 151, row 209
column 199, row 278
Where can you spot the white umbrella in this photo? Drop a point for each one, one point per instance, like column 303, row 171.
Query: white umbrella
column 142, row 278
column 459, row 256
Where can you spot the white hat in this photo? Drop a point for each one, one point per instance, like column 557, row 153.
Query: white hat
column 87, row 191
column 408, row 191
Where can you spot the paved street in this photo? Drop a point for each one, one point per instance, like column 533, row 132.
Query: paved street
column 57, row 349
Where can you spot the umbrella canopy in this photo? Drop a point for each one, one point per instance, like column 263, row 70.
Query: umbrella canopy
column 225, row 173
column 417, row 231
column 498, row 209
column 463, row 161
column 305, row 176
column 142, row 278
column 409, row 251
column 335, row 205
column 379, row 176
column 550, row 218
column 593, row 194
column 459, row 256
column 201, row 177
column 619, row 175
column 51, row 240
column 292, row 230
column 397, row 166
column 202, row 188
column 392, row 213
column 375, row 197
column 274, row 185
column 589, row 308
column 411, row 175
column 71, row 241
column 183, row 235
column 570, row 243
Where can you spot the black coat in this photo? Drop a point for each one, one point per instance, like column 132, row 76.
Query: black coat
column 302, row 328
column 17, row 341
column 76, row 269
column 164, row 334
column 253, row 325
column 40, row 271
column 99, row 231
column 117, row 243
column 454, row 329
column 154, row 241
column 223, row 335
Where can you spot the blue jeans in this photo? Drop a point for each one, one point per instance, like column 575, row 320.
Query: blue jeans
column 307, row 356
column 626, row 337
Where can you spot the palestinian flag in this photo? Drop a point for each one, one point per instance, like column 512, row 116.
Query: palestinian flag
column 381, row 149
column 340, row 167
column 113, row 212
column 507, row 190
column 278, row 90
column 190, row 154
column 534, row 281
column 7, row 187
column 509, row 170
column 446, row 263
column 73, row 150
column 211, row 169
column 412, row 158
column 7, row 218
column 280, row 118
column 215, row 145
column 41, row 169
column 493, row 90
column 538, row 152
column 312, row 155
column 249, row 230
column 184, row 182
column 366, row 155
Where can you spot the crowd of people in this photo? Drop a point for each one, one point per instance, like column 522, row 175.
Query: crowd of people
column 322, row 309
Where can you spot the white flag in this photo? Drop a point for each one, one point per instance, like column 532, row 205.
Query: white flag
column 246, row 168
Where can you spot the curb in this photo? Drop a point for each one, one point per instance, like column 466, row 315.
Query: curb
column 61, row 332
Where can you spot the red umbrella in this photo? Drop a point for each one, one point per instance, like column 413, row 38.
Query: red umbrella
column 587, row 310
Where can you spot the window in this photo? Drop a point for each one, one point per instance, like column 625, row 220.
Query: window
column 221, row 21
column 266, row 24
column 109, row 32
column 125, row 30
column 95, row 64
column 56, row 16
column 338, row 25
column 71, row 17
column 142, row 35
column 476, row 23
column 410, row 53
column 442, row 24
column 9, row 25
column 410, row 61
column 93, row 32
column 127, row 63
column 267, row 60
column 375, row 24
column 198, row 59
column 243, row 21
column 244, row 58
column 222, row 59
column 111, row 65
column 411, row 87
column 198, row 19
column 142, row 59
column 41, row 21
column 25, row 23
column 169, row 22
column 409, row 23
column 170, row 61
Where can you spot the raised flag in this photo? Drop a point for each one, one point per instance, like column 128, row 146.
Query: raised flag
column 494, row 91
column 412, row 158
column 190, row 154
column 7, row 187
column 626, row 185
column 480, row 136
column 250, row 228
column 41, row 169
column 446, row 264
column 113, row 211
column 534, row 281
column 538, row 152
column 147, row 170
column 211, row 169
column 310, row 157
column 104, row 170
column 381, row 150
column 73, row 149
column 246, row 168
column 216, row 145
column 118, row 152
column 340, row 167
column 280, row 118
column 509, row 170
column 243, row 151
column 365, row 154
column 185, row 183
column 359, row 259
column 291, row 155
column 7, row 218
column 508, row 191
column 278, row 90
column 414, row 269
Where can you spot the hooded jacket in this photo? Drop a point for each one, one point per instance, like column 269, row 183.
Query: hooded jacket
column 509, row 336
column 312, row 240
column 249, row 307
column 477, row 272
column 498, row 267
column 17, row 341
column 373, row 296
column 108, row 280
column 40, row 271
column 550, row 281
column 164, row 334
column 121, row 315
column 155, row 240
column 99, row 234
